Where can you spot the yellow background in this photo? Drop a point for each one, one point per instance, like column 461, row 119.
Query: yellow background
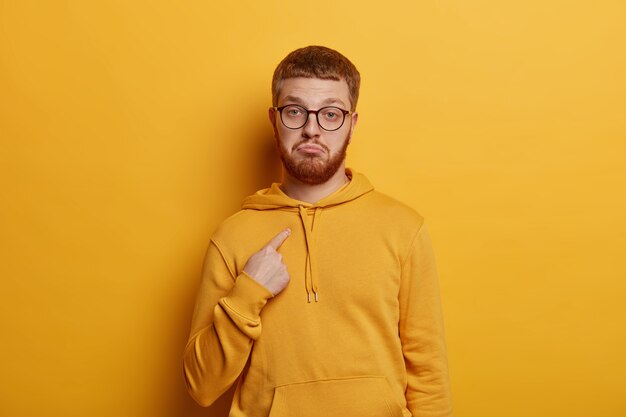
column 129, row 129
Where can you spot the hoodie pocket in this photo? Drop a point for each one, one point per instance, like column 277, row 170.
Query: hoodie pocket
column 367, row 396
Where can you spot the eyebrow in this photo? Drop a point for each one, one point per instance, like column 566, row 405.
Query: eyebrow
column 298, row 100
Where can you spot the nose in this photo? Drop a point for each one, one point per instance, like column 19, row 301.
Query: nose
column 311, row 128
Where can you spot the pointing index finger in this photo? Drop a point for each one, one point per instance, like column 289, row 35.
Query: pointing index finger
column 279, row 239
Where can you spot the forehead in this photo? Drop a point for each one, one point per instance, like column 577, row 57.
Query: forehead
column 314, row 92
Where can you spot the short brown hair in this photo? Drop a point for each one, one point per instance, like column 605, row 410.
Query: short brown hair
column 317, row 62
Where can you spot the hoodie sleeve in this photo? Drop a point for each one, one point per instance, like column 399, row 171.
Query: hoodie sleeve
column 225, row 323
column 422, row 332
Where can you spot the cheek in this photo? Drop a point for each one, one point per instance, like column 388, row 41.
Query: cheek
column 287, row 137
column 339, row 140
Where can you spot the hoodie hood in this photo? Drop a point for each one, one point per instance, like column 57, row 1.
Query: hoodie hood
column 273, row 198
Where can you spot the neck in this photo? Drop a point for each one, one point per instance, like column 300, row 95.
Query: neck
column 312, row 193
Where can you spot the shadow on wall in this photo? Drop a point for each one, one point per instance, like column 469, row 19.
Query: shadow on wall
column 256, row 154
column 249, row 161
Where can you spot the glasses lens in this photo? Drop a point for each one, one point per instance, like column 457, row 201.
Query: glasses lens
column 294, row 117
column 330, row 118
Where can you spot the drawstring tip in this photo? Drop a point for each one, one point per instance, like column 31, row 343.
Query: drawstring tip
column 316, row 300
column 308, row 297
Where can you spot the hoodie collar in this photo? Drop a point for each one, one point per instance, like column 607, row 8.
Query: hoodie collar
column 274, row 198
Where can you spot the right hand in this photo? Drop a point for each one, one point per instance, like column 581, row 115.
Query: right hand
column 266, row 266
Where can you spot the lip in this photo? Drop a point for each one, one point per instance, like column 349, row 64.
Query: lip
column 310, row 149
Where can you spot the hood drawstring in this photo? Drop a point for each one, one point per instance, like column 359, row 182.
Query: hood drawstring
column 274, row 198
column 317, row 214
column 309, row 276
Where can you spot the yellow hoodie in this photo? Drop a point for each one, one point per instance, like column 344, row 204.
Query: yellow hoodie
column 358, row 331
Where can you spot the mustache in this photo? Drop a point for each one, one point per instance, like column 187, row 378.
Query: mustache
column 310, row 142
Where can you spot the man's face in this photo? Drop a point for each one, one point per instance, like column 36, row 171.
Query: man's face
column 311, row 154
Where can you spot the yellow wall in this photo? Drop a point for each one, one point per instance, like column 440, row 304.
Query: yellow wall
column 129, row 129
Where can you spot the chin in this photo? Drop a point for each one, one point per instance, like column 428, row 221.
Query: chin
column 311, row 172
column 312, row 169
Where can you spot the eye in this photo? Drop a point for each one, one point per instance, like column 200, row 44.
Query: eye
column 331, row 114
column 293, row 111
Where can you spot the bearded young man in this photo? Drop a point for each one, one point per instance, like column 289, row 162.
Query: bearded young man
column 320, row 297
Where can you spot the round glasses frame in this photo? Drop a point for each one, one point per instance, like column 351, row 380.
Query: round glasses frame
column 343, row 112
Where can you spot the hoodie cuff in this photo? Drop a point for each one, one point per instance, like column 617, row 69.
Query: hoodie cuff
column 248, row 297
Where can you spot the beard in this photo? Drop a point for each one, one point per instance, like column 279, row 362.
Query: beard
column 313, row 169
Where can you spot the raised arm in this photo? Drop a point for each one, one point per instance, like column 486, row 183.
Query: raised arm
column 226, row 318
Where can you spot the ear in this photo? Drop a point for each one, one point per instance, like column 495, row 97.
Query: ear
column 355, row 118
column 272, row 116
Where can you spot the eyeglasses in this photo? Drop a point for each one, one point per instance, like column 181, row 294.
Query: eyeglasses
column 328, row 118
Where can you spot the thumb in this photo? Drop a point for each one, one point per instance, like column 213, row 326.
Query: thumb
column 279, row 239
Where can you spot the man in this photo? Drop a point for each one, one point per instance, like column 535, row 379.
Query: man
column 320, row 297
